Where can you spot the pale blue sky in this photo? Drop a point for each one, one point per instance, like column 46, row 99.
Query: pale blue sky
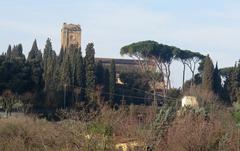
column 209, row 26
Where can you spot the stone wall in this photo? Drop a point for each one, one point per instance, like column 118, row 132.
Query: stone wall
column 70, row 36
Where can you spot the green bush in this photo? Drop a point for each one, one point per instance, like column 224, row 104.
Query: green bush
column 236, row 112
column 236, row 116
column 100, row 128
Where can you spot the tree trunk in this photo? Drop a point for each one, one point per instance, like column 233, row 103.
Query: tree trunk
column 184, row 69
column 169, row 73
column 192, row 82
column 154, row 97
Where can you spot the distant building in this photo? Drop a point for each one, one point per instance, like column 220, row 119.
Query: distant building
column 122, row 65
column 70, row 36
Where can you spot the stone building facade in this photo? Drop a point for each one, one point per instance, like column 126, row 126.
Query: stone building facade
column 122, row 65
column 71, row 36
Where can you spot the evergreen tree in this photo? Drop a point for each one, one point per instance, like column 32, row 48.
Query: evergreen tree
column 58, row 78
column 35, row 62
column 15, row 75
column 99, row 73
column 106, row 84
column 33, row 52
column 73, row 60
column 112, row 82
column 61, row 55
column 9, row 51
column 79, row 73
column 66, row 72
column 234, row 84
column 58, row 72
column 17, row 54
column 83, row 83
column 238, row 82
column 89, row 68
column 135, row 80
column 217, row 83
column 49, row 66
column 230, row 87
column 207, row 82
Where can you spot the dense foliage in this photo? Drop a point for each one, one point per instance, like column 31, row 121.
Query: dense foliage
column 208, row 70
column 71, row 80
column 90, row 71
column 112, row 82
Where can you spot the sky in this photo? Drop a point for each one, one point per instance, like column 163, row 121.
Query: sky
column 207, row 26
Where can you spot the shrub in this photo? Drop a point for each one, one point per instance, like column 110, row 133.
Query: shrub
column 195, row 132
column 100, row 128
column 27, row 134
column 236, row 112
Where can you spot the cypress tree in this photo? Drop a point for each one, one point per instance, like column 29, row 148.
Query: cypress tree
column 66, row 80
column 60, row 57
column 106, row 84
column 58, row 72
column 49, row 66
column 99, row 73
column 83, row 84
column 207, row 83
column 79, row 76
column 112, row 82
column 73, row 62
column 66, row 72
column 9, row 51
column 79, row 73
column 217, row 83
column 89, row 68
column 35, row 61
column 33, row 52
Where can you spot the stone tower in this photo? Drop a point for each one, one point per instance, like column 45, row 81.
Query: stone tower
column 70, row 35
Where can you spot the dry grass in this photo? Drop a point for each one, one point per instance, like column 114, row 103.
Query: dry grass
column 196, row 132
column 192, row 130
column 101, row 133
column 27, row 134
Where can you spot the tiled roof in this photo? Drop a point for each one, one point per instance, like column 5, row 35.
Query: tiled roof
column 118, row 61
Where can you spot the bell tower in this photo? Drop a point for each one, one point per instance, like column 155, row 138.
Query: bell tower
column 71, row 36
